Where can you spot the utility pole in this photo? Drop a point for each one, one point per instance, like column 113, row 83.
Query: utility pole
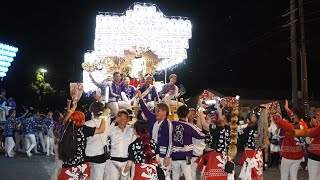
column 304, row 68
column 293, row 42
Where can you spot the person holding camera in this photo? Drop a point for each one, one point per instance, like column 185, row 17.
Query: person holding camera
column 95, row 149
column 216, row 161
column 73, row 144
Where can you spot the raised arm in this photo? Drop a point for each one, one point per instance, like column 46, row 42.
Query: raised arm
column 95, row 82
column 195, row 132
column 21, row 117
column 285, row 125
column 145, row 110
column 203, row 121
column 313, row 132
column 70, row 110
column 198, row 124
column 102, row 127
column 286, row 107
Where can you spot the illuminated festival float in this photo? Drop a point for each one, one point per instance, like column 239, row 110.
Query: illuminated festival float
column 139, row 41
column 7, row 53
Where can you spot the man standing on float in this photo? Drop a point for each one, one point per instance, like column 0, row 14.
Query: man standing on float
column 170, row 92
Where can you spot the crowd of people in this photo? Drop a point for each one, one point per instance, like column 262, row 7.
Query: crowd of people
column 112, row 142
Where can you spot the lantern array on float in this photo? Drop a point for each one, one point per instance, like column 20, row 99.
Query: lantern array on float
column 141, row 28
column 7, row 54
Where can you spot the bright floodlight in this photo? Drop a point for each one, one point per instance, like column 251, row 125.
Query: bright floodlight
column 143, row 25
column 43, row 70
column 237, row 97
column 7, row 53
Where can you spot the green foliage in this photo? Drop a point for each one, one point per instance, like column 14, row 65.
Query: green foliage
column 40, row 87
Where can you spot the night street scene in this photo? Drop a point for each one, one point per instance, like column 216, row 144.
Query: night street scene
column 160, row 90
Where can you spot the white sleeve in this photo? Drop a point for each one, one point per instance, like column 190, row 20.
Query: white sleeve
column 176, row 91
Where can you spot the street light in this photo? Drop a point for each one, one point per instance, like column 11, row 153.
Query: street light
column 43, row 71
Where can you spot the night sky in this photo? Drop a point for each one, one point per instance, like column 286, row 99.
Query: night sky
column 235, row 44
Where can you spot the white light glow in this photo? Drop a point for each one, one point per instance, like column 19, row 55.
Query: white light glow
column 43, row 70
column 2, row 74
column 144, row 26
column 237, row 97
column 211, row 102
column 7, row 53
column 138, row 66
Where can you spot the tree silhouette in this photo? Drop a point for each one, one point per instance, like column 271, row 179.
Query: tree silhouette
column 41, row 88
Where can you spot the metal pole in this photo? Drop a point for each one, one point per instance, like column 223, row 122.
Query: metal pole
column 165, row 76
column 43, row 75
column 304, row 68
column 293, row 43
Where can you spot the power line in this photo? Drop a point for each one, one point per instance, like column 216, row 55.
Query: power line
column 258, row 39
column 313, row 20
column 312, row 13
column 255, row 41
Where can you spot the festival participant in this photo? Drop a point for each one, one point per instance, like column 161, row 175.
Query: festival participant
column 73, row 144
column 160, row 130
column 3, row 100
column 3, row 96
column 170, row 92
column 216, row 161
column 274, row 145
column 40, row 130
column 192, row 116
column 12, row 121
column 198, row 144
column 28, row 128
column 127, row 91
column 101, row 93
column 8, row 131
column 58, row 128
column 149, row 92
column 182, row 147
column 48, row 134
column 12, row 103
column 121, row 137
column 313, row 150
column 18, row 132
column 253, row 139
column 291, row 150
column 299, row 123
column 143, row 153
column 116, row 89
column 96, row 148
column 314, row 122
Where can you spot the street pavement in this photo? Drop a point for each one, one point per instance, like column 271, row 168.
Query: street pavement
column 38, row 167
